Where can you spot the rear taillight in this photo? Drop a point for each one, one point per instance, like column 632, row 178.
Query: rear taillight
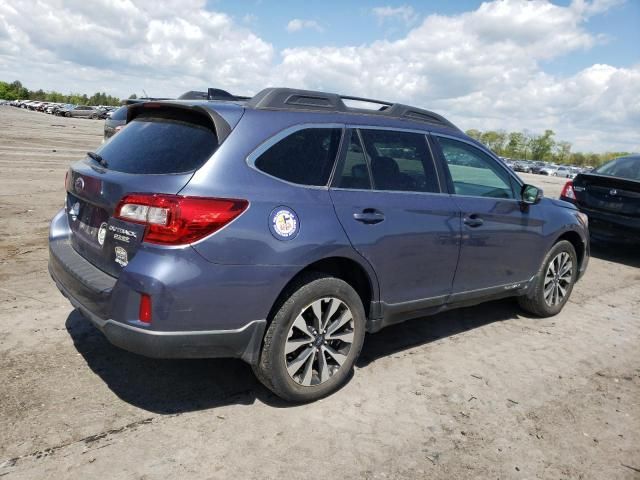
column 567, row 193
column 178, row 220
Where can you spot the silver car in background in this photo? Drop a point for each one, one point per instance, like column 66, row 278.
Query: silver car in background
column 83, row 111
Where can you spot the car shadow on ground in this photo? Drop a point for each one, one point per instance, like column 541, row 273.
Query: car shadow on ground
column 420, row 331
column 624, row 254
column 179, row 386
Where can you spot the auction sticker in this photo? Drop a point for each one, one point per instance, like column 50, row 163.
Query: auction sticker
column 284, row 223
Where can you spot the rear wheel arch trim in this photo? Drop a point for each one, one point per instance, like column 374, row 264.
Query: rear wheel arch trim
column 328, row 265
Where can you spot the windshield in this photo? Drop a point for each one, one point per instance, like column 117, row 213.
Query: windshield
column 624, row 167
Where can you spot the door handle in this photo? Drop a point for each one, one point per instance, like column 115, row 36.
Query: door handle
column 473, row 220
column 369, row 216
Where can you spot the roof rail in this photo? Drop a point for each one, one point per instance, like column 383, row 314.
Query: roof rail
column 294, row 99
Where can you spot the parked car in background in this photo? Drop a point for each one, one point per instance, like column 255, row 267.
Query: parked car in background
column 537, row 166
column 115, row 122
column 280, row 229
column 81, row 111
column 550, row 170
column 563, row 171
column 522, row 166
column 610, row 196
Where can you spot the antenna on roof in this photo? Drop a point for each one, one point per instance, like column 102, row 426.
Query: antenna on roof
column 145, row 93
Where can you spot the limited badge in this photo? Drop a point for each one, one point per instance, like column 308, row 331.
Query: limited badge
column 102, row 233
column 121, row 256
column 284, row 223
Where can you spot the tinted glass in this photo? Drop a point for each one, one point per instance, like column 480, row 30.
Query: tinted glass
column 473, row 172
column 625, row 167
column 153, row 145
column 119, row 114
column 305, row 157
column 354, row 172
column 400, row 161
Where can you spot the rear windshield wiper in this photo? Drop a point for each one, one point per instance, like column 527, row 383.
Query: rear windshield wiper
column 98, row 158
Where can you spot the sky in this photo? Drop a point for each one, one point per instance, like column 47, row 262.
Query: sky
column 572, row 66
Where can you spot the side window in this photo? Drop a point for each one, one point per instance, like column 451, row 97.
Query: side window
column 305, row 157
column 400, row 161
column 354, row 172
column 473, row 172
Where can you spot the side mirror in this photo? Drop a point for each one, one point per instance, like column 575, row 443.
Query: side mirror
column 531, row 195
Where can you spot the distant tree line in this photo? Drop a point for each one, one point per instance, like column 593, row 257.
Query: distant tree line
column 16, row 91
column 527, row 146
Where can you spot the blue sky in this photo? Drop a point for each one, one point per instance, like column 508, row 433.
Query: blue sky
column 350, row 22
column 572, row 65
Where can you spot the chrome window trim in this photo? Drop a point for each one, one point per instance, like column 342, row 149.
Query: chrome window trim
column 280, row 135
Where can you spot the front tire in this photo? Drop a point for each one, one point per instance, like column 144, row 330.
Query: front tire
column 314, row 339
column 554, row 283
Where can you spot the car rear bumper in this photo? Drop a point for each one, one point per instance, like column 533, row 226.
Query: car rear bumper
column 613, row 228
column 112, row 306
column 243, row 343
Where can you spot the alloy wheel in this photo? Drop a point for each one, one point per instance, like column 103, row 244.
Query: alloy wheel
column 558, row 279
column 319, row 341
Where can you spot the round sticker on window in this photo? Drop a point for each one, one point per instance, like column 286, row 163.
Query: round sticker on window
column 284, row 223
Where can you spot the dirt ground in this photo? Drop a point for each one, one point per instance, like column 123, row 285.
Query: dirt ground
column 483, row 392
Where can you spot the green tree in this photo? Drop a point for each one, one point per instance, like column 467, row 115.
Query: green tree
column 562, row 152
column 475, row 134
column 542, row 145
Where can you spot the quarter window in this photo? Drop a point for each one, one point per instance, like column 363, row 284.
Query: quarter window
column 400, row 161
column 354, row 172
column 305, row 157
column 473, row 172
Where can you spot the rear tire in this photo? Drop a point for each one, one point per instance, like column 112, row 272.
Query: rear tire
column 313, row 340
column 554, row 282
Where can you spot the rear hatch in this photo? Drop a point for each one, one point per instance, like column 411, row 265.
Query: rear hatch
column 158, row 153
column 607, row 194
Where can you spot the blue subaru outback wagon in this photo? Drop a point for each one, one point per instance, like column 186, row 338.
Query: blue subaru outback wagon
column 279, row 229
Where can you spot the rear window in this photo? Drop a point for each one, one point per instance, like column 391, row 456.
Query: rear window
column 624, row 167
column 305, row 157
column 161, row 143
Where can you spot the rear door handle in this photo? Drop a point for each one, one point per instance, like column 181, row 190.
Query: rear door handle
column 369, row 216
column 473, row 220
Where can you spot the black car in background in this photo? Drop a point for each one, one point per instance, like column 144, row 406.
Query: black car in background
column 610, row 196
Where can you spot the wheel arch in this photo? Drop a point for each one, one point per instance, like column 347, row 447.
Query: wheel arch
column 574, row 239
column 344, row 268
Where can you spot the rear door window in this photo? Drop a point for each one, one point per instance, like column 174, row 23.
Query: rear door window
column 400, row 161
column 305, row 157
column 161, row 143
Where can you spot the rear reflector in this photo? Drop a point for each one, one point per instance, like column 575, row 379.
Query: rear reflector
column 567, row 193
column 145, row 308
column 178, row 220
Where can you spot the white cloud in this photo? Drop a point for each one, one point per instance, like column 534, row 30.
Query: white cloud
column 298, row 24
column 405, row 13
column 482, row 69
